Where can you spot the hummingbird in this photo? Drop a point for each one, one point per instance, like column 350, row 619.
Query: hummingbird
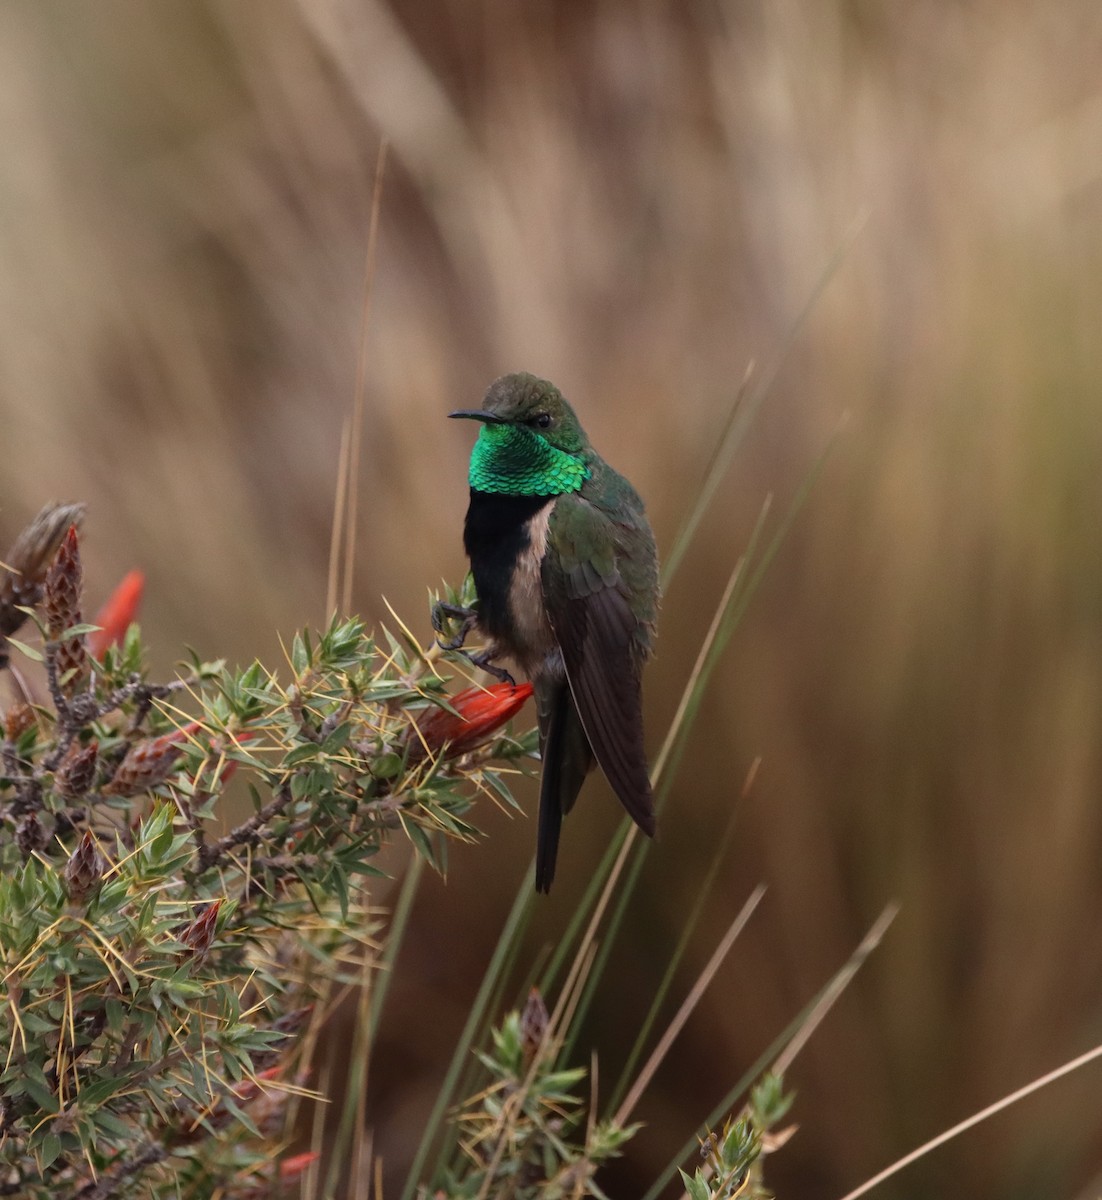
column 566, row 575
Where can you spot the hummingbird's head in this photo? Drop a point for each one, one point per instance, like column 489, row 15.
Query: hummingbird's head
column 530, row 444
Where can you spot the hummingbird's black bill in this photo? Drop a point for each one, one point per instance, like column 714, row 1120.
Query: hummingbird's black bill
column 479, row 414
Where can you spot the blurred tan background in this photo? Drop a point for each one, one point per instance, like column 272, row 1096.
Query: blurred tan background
column 636, row 200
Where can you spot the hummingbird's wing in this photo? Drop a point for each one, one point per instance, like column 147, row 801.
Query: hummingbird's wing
column 589, row 608
column 567, row 759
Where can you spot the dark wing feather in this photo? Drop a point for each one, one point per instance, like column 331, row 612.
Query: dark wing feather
column 591, row 615
column 567, row 759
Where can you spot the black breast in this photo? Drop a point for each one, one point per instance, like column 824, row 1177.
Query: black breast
column 495, row 535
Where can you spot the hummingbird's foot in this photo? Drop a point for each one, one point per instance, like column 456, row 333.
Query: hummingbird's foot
column 484, row 660
column 443, row 613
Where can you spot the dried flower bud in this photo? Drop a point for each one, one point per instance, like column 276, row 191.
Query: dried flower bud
column 84, row 869
column 479, row 714
column 116, row 615
column 146, row 765
column 26, row 562
column 17, row 720
column 61, row 606
column 64, row 580
column 199, row 934
column 29, row 834
column 533, row 1026
column 74, row 774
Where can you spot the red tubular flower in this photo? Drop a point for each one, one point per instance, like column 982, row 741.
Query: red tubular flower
column 481, row 713
column 117, row 614
column 293, row 1167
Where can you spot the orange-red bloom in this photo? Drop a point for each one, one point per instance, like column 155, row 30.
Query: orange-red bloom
column 293, row 1167
column 117, row 614
column 479, row 713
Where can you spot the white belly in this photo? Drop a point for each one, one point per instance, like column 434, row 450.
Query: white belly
column 534, row 639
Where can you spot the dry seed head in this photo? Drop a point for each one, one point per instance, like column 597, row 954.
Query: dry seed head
column 199, row 934
column 28, row 559
column 29, row 835
column 84, row 869
column 533, row 1026
column 64, row 580
column 146, row 765
column 61, row 606
column 76, row 770
column 72, row 667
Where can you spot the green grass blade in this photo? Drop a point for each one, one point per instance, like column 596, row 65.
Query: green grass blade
column 518, row 914
column 373, row 991
column 583, row 909
column 783, row 1049
column 398, row 925
column 494, row 1007
column 743, row 413
column 664, row 985
column 662, row 775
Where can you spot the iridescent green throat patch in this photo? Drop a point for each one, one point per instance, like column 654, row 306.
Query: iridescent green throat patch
column 515, row 461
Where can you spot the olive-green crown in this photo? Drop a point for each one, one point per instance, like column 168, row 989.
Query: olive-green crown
column 530, row 443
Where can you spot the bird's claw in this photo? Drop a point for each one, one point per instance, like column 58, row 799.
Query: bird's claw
column 484, row 661
column 442, row 613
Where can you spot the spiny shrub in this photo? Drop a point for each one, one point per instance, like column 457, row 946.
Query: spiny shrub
column 157, row 964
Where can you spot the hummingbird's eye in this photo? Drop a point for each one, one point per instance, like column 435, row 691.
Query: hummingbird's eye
column 542, row 421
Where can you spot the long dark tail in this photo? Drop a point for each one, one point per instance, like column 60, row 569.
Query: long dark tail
column 567, row 760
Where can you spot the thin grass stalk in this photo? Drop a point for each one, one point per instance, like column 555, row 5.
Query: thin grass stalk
column 517, row 915
column 835, row 988
column 336, row 528
column 811, row 1015
column 312, row 1184
column 356, row 438
column 977, row 1118
column 584, row 907
column 399, row 922
column 666, row 982
column 706, row 658
column 743, row 413
column 688, row 1005
column 561, row 1018
column 355, row 1086
column 590, row 936
column 371, row 1004
column 660, row 775
column 363, row 1153
column 310, row 1037
column 467, row 1082
column 733, row 617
